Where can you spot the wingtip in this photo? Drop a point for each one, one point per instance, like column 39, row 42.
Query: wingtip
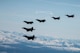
column 36, row 19
column 24, row 35
column 24, row 21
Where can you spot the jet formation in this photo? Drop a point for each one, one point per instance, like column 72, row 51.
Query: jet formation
column 40, row 21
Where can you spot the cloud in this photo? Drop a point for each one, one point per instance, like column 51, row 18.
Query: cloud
column 35, row 46
column 60, row 44
column 65, row 48
column 72, row 48
column 7, row 39
column 11, row 38
column 7, row 46
column 44, row 12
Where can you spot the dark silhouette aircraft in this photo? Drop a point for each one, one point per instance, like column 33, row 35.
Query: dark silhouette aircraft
column 29, row 22
column 70, row 16
column 56, row 18
column 30, row 37
column 29, row 29
column 41, row 20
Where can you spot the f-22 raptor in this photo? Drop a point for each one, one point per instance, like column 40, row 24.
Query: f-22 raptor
column 30, row 37
column 70, row 16
column 28, row 29
column 29, row 22
column 41, row 20
column 56, row 18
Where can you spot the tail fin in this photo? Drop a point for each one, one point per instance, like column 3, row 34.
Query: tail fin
column 33, row 28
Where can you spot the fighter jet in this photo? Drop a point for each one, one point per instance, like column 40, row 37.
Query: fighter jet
column 41, row 20
column 28, row 29
column 29, row 22
column 70, row 16
column 56, row 18
column 30, row 37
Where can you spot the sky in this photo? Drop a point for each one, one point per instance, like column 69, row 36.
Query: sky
column 14, row 12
